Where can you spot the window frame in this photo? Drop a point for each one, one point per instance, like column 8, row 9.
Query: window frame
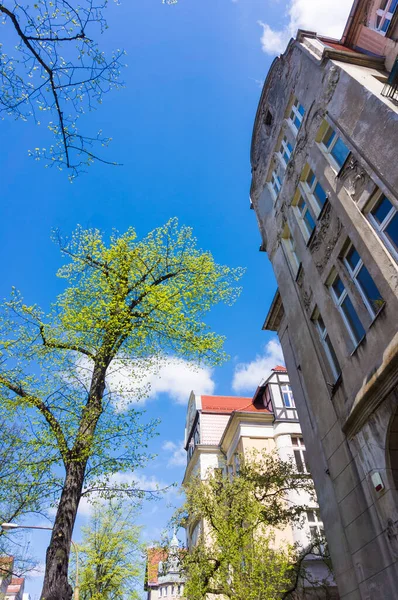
column 289, row 393
column 275, row 177
column 385, row 15
column 327, row 150
column 310, row 189
column 297, row 115
column 380, row 227
column 301, row 215
column 323, row 335
column 301, row 449
column 284, row 149
column 290, row 246
column 339, row 302
column 354, row 276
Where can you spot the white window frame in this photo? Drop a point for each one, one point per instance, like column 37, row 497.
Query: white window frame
column 380, row 227
column 285, row 149
column 300, row 215
column 385, row 14
column 317, row 524
column 275, row 178
column 300, row 447
column 310, row 189
column 354, row 273
column 289, row 392
column 328, row 150
column 294, row 109
column 290, row 246
column 339, row 301
column 323, row 334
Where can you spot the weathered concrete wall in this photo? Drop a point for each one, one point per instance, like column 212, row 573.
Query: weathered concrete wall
column 346, row 426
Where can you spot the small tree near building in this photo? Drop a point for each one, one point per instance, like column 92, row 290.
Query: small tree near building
column 236, row 554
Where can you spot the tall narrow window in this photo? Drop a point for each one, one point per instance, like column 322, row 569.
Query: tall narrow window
column 347, row 310
column 335, row 147
column 327, row 345
column 285, row 150
column 384, row 218
column 276, row 183
column 315, row 527
column 296, row 114
column 363, row 280
column 384, row 15
column 317, row 191
column 305, row 216
column 300, row 454
column 287, row 396
column 290, row 247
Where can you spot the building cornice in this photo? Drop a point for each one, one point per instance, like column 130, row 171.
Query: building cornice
column 199, row 449
column 275, row 313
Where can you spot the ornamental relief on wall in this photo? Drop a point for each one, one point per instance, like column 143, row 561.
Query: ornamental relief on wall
column 326, row 236
column 353, row 177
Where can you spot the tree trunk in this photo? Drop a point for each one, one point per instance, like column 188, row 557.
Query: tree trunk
column 56, row 585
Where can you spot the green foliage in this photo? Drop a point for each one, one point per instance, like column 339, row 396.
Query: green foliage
column 236, row 555
column 110, row 556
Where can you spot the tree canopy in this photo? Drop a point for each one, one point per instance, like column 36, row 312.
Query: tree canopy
column 72, row 372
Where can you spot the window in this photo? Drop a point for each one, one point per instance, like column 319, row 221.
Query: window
column 300, row 455
column 315, row 188
column 285, row 150
column 384, row 218
column 335, row 147
column 297, row 114
column 287, row 395
column 276, row 183
column 179, row 590
column 363, row 280
column 237, row 463
column 268, row 118
column 305, row 216
column 327, row 345
column 315, row 524
column 347, row 310
column 290, row 247
column 384, row 15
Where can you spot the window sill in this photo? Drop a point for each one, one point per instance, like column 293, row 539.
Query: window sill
column 361, row 341
column 335, row 386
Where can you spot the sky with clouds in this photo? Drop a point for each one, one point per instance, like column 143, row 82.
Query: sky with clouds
column 182, row 128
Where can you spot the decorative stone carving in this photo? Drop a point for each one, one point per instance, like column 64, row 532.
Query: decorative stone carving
column 325, row 238
column 392, row 535
column 305, row 290
column 353, row 177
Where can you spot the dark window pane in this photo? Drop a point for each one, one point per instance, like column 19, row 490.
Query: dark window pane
column 329, row 137
column 391, row 231
column 353, row 319
column 307, row 467
column 340, row 152
column 381, row 210
column 297, row 122
column 352, row 257
column 369, row 289
column 310, row 178
column 299, row 462
column 309, row 221
column 301, row 110
column 385, row 25
column 332, row 354
column 294, row 441
column 378, row 21
column 321, row 324
column 338, row 287
column 320, row 194
column 289, row 147
column 393, row 5
column 383, row 4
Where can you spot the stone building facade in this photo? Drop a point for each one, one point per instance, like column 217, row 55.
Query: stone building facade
column 222, row 431
column 325, row 193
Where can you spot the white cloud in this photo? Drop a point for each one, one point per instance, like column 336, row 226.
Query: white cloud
column 133, row 381
column 178, row 456
column 326, row 17
column 247, row 376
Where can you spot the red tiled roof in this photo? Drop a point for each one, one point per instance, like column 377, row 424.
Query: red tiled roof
column 17, row 580
column 280, row 369
column 229, row 404
column 154, row 556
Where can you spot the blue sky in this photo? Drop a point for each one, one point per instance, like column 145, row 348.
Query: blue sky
column 182, row 128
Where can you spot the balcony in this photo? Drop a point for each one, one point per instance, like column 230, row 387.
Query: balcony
column 390, row 89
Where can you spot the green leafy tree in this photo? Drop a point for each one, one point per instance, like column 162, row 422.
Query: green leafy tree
column 235, row 554
column 52, row 70
column 127, row 306
column 111, row 559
